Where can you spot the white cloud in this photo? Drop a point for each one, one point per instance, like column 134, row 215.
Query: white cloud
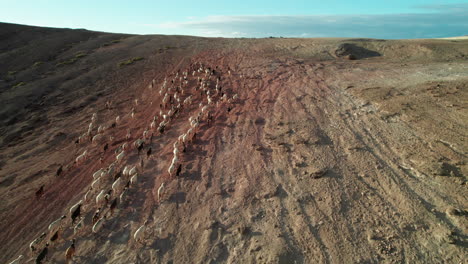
column 448, row 20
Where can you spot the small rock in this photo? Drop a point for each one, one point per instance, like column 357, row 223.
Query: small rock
column 318, row 173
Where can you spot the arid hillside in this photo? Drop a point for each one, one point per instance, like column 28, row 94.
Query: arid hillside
column 178, row 149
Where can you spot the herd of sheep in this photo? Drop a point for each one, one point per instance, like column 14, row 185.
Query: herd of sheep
column 196, row 91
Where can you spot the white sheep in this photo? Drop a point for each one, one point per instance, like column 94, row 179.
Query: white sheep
column 139, row 235
column 97, row 226
column 17, row 260
column 123, row 195
column 100, row 198
column 56, row 224
column 137, row 144
column 75, row 206
column 125, row 146
column 172, row 169
column 98, row 173
column 176, row 151
column 36, row 241
column 119, row 157
column 160, row 191
column 95, row 184
column 78, row 226
column 125, row 170
column 81, row 157
column 97, row 138
column 134, row 179
column 146, row 134
column 87, row 195
column 132, row 171
column 153, row 124
column 117, row 119
column 116, row 185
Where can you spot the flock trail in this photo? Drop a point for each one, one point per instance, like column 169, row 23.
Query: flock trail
column 198, row 92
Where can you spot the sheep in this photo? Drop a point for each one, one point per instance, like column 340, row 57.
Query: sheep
column 81, row 157
column 112, row 206
column 100, row 198
column 36, row 241
column 95, row 184
column 119, row 157
column 132, row 171
column 146, row 134
column 125, row 170
column 17, row 260
column 75, row 211
column 98, row 173
column 153, row 124
column 97, row 226
column 43, row 254
column 123, row 194
column 148, row 153
column 57, row 223
column 172, row 169
column 138, row 142
column 125, row 146
column 78, row 226
column 97, row 138
column 140, row 233
column 116, row 185
column 96, row 216
column 117, row 119
column 134, row 179
column 70, row 252
column 59, row 171
column 160, row 191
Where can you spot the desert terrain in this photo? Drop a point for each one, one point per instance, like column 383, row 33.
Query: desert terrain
column 311, row 151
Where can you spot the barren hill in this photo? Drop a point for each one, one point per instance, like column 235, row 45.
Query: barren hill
column 305, row 150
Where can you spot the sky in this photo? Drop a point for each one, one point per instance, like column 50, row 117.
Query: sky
column 389, row 19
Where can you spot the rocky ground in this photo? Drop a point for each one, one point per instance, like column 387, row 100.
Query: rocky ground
column 336, row 150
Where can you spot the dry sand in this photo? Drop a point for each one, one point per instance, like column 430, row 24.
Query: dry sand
column 337, row 150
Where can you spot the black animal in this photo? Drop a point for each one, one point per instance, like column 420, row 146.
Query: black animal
column 40, row 192
column 59, row 170
column 148, row 153
column 76, row 213
column 96, row 215
column 113, row 206
column 42, row 255
column 54, row 237
column 179, row 169
column 140, row 147
column 106, row 147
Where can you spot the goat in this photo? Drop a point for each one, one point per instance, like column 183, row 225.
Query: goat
column 43, row 254
column 70, row 252
column 75, row 211
column 36, row 241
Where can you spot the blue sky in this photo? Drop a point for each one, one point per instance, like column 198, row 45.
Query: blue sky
column 247, row 18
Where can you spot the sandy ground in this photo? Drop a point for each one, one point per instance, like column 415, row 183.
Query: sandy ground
column 336, row 151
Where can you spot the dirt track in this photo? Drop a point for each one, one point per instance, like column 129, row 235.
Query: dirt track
column 321, row 160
